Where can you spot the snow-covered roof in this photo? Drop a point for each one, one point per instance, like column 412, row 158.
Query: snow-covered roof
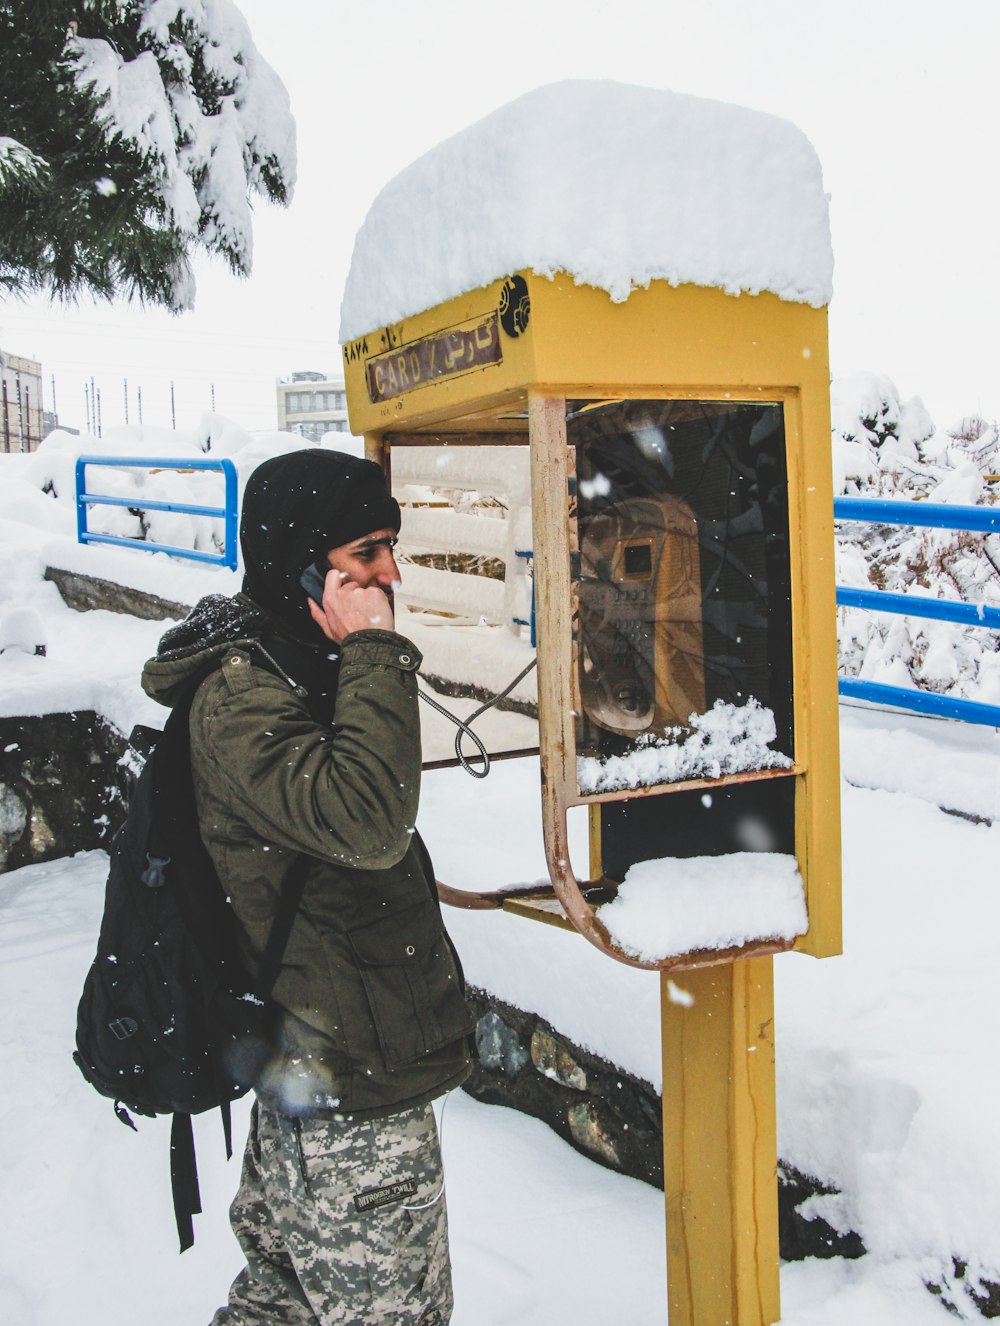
column 616, row 185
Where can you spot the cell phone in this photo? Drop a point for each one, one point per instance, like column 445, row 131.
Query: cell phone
column 313, row 580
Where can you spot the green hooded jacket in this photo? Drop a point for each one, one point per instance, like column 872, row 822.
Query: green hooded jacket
column 373, row 1017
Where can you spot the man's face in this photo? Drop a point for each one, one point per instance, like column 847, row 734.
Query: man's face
column 368, row 561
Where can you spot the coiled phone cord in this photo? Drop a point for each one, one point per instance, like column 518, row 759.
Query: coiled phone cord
column 463, row 725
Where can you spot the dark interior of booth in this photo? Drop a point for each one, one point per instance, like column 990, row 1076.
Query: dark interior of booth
column 643, row 467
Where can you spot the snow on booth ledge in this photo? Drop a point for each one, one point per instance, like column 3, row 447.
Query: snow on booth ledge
column 679, row 904
column 614, row 184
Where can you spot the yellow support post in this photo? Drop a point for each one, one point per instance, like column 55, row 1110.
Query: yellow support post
column 719, row 1145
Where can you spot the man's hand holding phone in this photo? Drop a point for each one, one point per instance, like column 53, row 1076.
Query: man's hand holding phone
column 345, row 607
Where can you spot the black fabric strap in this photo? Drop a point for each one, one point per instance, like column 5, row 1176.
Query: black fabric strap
column 184, row 1178
column 183, row 1164
column 227, row 1127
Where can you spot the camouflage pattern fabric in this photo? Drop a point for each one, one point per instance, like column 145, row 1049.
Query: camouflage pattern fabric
column 339, row 1224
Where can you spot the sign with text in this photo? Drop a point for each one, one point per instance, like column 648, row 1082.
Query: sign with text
column 442, row 355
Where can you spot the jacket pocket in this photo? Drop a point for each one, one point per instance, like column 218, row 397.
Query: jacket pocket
column 411, row 983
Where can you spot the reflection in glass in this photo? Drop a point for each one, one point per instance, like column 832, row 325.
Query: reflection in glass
column 640, row 603
column 465, row 596
column 684, row 614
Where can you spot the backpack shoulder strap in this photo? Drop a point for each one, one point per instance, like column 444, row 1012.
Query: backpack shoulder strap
column 172, row 785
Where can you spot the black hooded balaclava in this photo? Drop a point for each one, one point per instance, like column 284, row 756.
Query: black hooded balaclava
column 295, row 509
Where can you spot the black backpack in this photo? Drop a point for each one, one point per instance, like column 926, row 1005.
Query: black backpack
column 169, row 1021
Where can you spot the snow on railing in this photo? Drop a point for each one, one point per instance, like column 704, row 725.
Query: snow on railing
column 85, row 500
column 923, row 515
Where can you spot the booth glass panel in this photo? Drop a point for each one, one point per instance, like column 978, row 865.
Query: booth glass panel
column 682, row 591
column 465, row 597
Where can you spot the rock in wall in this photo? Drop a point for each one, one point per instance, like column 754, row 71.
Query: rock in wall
column 602, row 1111
column 61, row 787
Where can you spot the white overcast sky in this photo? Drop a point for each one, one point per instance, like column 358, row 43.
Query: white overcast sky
column 898, row 97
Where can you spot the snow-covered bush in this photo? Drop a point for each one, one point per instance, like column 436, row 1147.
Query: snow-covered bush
column 884, row 446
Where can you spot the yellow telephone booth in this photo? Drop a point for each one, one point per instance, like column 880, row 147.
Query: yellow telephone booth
column 675, row 448
column 682, row 547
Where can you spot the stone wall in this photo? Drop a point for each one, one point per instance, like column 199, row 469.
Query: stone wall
column 605, row 1113
column 62, row 788
column 610, row 1116
column 84, row 592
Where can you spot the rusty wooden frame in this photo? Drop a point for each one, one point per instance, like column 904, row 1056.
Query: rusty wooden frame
column 567, row 904
column 559, row 701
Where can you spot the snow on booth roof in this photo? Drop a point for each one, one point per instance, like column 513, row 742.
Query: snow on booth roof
column 616, row 185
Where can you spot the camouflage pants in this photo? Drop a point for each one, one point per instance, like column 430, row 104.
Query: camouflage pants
column 329, row 1218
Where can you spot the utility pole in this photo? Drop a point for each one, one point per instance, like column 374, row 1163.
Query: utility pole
column 20, row 413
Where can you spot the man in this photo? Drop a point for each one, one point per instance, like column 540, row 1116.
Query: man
column 305, row 744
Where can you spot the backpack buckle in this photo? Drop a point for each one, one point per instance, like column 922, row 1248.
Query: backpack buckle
column 122, row 1028
column 124, row 1116
column 155, row 874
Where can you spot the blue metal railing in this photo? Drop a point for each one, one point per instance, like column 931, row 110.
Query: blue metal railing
column 923, row 515
column 85, row 500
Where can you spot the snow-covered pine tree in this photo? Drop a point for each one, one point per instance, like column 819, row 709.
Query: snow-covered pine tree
column 132, row 133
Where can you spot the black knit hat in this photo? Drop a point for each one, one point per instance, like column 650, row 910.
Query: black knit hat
column 296, row 508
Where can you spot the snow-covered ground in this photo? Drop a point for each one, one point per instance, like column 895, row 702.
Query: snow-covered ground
column 887, row 1072
column 887, row 1083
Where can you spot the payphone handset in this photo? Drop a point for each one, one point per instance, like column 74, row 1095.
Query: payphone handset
column 640, row 616
column 313, row 580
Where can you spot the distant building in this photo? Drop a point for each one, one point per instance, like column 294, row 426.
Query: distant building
column 311, row 404
column 22, row 415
